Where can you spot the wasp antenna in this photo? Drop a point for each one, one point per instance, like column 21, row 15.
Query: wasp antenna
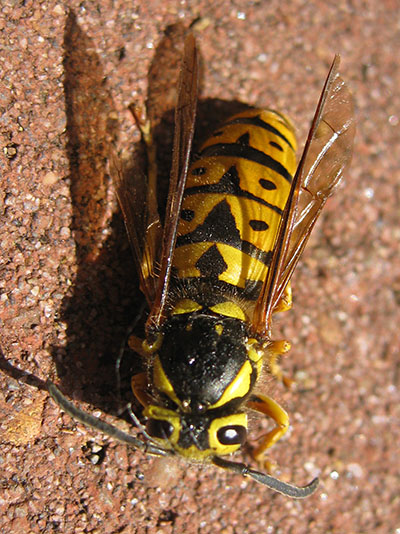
column 295, row 492
column 96, row 423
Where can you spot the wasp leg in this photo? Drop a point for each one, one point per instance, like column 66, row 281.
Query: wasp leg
column 278, row 348
column 143, row 124
column 140, row 389
column 136, row 344
column 267, row 406
column 275, row 350
column 139, row 381
column 285, row 302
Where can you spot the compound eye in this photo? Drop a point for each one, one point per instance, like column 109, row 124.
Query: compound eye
column 157, row 428
column 232, row 435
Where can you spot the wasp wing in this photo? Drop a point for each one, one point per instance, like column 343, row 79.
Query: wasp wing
column 138, row 197
column 136, row 191
column 185, row 115
column 326, row 154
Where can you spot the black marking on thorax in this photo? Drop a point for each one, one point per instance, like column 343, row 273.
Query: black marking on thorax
column 199, row 362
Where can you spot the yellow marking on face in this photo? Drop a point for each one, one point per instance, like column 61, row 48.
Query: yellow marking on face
column 236, row 419
column 160, row 413
column 239, row 386
column 193, row 452
column 163, row 414
column 230, row 309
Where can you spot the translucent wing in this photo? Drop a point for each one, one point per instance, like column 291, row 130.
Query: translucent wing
column 137, row 193
column 326, row 154
column 185, row 115
column 138, row 200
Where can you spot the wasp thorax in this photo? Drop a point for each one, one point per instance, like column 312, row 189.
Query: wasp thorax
column 196, row 366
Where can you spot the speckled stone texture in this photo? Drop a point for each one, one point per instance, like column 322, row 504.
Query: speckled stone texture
column 69, row 290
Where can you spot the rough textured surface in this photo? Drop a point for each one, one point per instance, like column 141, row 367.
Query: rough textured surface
column 69, row 289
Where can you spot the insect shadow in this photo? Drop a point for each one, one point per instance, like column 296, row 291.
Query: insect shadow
column 105, row 298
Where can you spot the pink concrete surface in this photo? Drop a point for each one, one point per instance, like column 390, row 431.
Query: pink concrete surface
column 69, row 290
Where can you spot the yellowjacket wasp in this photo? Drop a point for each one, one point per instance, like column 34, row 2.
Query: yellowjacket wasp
column 237, row 220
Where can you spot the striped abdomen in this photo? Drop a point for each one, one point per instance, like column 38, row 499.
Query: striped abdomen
column 234, row 199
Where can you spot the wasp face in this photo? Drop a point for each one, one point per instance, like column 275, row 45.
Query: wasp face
column 196, row 437
column 202, row 375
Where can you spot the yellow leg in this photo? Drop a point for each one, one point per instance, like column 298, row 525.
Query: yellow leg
column 139, row 381
column 140, row 389
column 142, row 123
column 136, row 344
column 275, row 349
column 285, row 302
column 142, row 347
column 267, row 406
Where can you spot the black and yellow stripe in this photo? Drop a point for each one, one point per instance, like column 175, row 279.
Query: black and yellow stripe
column 234, row 199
